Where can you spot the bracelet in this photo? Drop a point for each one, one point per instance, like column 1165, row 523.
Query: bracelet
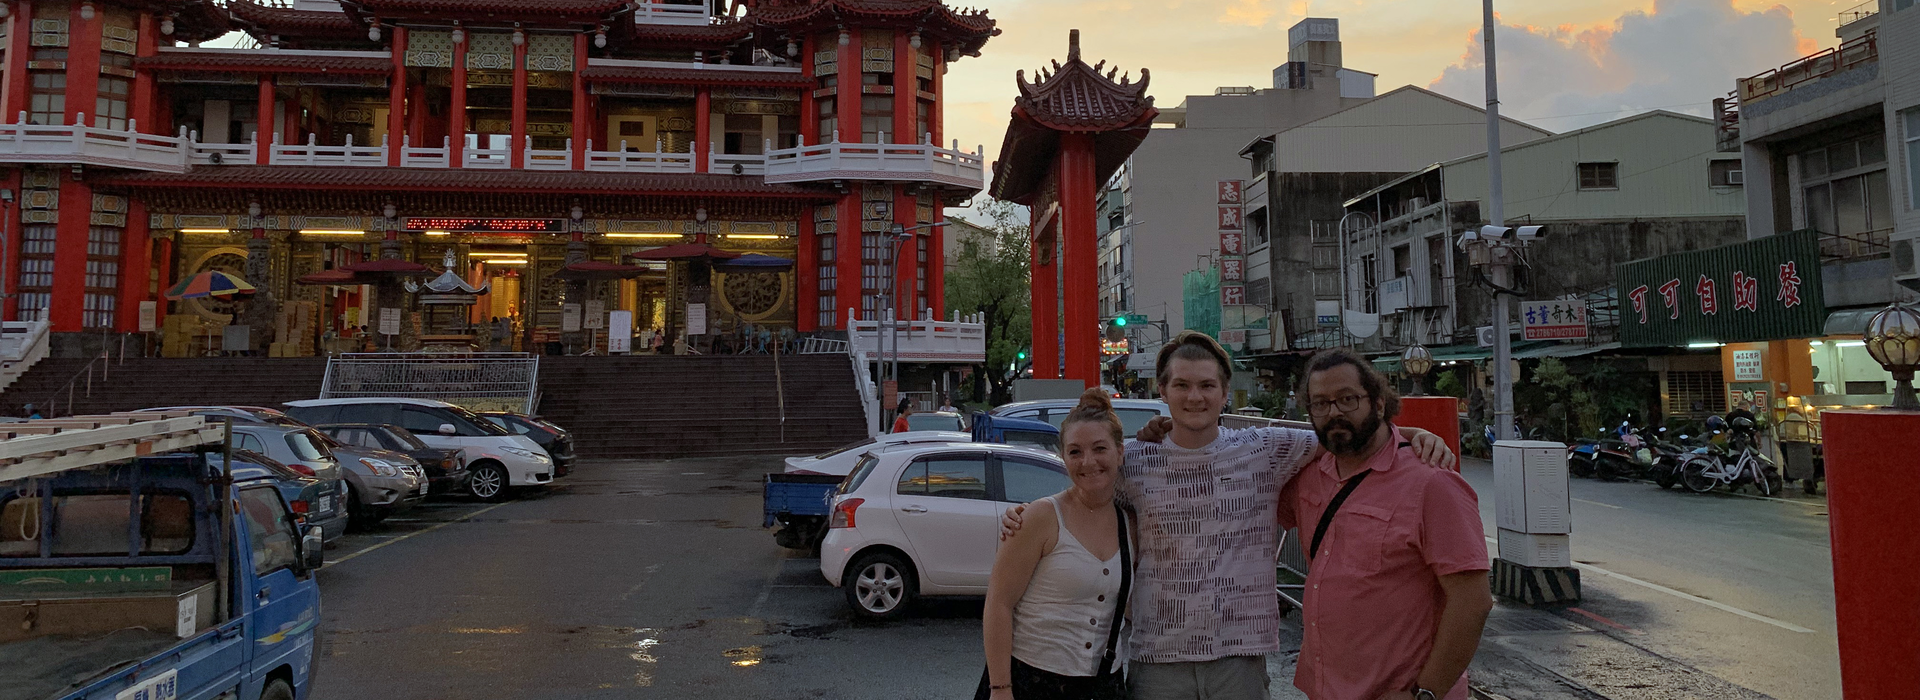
column 1003, row 686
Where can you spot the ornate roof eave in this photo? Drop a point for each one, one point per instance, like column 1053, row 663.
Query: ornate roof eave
column 262, row 61
column 710, row 37
column 299, row 26
column 200, row 20
column 532, row 13
column 968, row 31
column 1073, row 98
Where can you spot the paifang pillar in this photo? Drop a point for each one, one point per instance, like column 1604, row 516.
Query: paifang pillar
column 1072, row 128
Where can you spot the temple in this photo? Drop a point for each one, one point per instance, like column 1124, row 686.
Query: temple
column 1071, row 129
column 512, row 139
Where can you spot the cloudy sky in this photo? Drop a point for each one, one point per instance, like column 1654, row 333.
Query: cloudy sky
column 1564, row 64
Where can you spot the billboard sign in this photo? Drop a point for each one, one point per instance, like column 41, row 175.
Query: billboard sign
column 1764, row 289
column 1563, row 319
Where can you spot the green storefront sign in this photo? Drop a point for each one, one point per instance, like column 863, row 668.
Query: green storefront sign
column 1765, row 289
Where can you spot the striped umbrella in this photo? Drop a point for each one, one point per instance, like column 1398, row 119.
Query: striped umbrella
column 212, row 283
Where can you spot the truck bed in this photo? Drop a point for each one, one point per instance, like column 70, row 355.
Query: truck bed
column 48, row 667
column 796, row 494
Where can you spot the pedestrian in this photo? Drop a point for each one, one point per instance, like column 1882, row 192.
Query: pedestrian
column 900, row 418
column 1074, row 563
column 32, row 413
column 1396, row 594
column 1208, row 549
column 946, row 404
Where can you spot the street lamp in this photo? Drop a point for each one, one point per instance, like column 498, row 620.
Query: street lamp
column 1893, row 339
column 1417, row 361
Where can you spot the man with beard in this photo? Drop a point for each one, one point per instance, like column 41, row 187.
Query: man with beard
column 1204, row 613
column 1397, row 592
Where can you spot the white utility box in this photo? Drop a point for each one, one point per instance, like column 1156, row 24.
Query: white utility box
column 1537, row 551
column 1530, row 487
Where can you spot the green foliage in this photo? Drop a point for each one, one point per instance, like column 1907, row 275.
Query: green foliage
column 994, row 279
column 1574, row 402
column 1449, row 384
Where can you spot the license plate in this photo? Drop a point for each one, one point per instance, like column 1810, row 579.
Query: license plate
column 424, row 485
column 326, row 504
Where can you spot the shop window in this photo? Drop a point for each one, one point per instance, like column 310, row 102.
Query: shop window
column 1599, row 176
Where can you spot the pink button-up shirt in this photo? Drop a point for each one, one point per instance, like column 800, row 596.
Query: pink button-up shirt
column 1373, row 595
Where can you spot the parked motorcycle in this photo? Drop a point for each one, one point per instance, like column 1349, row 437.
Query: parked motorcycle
column 1670, row 456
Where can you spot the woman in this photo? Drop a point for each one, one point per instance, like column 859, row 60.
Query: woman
column 1059, row 587
column 905, row 409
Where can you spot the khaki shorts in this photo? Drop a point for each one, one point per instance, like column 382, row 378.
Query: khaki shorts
column 1230, row 678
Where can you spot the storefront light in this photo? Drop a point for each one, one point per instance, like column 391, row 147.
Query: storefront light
column 755, row 236
column 1703, row 346
column 438, row 233
column 206, row 230
column 643, row 235
column 329, row 232
column 1851, row 344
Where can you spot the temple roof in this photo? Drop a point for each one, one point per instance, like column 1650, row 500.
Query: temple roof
column 262, row 60
column 291, row 23
column 1073, row 98
column 970, row 30
column 538, row 11
column 694, row 36
column 717, row 75
column 200, row 20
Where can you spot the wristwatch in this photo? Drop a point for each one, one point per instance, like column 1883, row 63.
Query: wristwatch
column 1420, row 693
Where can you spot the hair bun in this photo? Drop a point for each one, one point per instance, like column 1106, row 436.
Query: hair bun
column 1094, row 400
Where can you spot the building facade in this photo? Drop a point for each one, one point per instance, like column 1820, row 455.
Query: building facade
column 523, row 139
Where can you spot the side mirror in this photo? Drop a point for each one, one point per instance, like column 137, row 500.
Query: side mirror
column 447, row 429
column 313, row 549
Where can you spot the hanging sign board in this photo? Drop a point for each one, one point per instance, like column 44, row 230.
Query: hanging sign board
column 696, row 319
column 569, row 318
column 389, row 321
column 596, row 314
column 1564, row 319
column 620, row 332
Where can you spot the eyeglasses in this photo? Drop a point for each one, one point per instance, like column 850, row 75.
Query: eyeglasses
column 1346, row 404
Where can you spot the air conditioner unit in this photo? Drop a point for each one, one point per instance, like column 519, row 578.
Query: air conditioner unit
column 1736, row 177
column 1485, row 336
column 1906, row 270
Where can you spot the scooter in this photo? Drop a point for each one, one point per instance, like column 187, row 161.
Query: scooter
column 1581, row 456
column 1668, row 459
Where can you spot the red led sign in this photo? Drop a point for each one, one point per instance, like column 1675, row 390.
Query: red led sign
column 480, row 225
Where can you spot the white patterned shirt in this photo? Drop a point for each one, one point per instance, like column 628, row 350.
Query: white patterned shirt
column 1204, row 586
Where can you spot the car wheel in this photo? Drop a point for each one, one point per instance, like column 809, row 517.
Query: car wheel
column 489, row 482
column 277, row 689
column 880, row 586
column 356, row 514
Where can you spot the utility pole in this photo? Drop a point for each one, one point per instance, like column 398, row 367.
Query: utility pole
column 1501, row 267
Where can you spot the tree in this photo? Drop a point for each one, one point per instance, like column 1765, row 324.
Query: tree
column 993, row 277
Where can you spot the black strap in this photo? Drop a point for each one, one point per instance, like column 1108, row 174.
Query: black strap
column 1120, row 603
column 1326, row 516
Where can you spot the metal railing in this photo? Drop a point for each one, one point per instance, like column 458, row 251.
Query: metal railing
column 1858, row 246
column 481, row 381
column 1865, row 49
column 1859, row 12
column 81, row 383
column 823, row 346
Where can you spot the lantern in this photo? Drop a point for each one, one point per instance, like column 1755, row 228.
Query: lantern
column 1893, row 339
column 1417, row 362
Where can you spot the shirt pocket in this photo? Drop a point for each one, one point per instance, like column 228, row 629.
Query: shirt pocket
column 1365, row 535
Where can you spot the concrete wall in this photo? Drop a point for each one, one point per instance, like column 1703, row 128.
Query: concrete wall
column 1403, row 131
column 1662, row 157
column 1299, row 200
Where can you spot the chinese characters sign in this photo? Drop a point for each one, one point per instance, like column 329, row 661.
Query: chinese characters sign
column 1765, row 289
column 1233, row 267
column 1563, row 319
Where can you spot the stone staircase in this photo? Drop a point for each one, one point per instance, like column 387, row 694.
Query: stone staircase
column 637, row 407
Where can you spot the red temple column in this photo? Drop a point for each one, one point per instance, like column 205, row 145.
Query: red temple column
column 83, row 66
column 136, row 265
column 1046, row 303
column 397, row 97
column 13, row 86
column 848, row 282
column 1876, row 537
column 582, row 113
column 516, row 153
column 848, row 95
column 264, row 131
column 906, row 64
column 935, row 122
column 10, row 274
column 809, row 106
column 163, row 274
column 1079, row 256
column 417, row 116
column 906, row 266
column 70, row 256
column 457, row 107
column 806, row 275
column 140, row 105
column 702, row 129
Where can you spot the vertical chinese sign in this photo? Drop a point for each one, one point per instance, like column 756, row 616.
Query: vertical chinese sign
column 1233, row 261
column 1764, row 289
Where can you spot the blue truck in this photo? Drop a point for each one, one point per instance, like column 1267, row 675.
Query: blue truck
column 155, row 577
column 798, row 503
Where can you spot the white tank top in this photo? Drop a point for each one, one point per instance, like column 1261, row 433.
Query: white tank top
column 1060, row 624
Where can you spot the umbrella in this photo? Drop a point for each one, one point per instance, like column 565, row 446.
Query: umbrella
column 754, row 262
column 597, row 270
column 212, row 283
column 685, row 251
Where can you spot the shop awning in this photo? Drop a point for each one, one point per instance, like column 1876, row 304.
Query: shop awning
column 1850, row 321
column 1563, row 350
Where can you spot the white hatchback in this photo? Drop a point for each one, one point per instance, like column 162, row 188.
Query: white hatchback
column 925, row 520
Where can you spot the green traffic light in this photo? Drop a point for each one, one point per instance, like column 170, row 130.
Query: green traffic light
column 1023, row 354
column 1120, row 321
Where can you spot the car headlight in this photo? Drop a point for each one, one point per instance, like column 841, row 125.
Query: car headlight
column 380, row 468
column 523, row 452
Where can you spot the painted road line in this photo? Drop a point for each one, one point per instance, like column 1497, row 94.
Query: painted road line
column 1597, row 503
column 1717, row 605
column 406, row 537
column 779, row 564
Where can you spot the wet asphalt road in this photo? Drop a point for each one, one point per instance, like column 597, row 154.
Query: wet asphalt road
column 626, row 579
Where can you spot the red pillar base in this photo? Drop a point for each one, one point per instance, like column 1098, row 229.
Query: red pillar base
column 1439, row 415
column 1871, row 494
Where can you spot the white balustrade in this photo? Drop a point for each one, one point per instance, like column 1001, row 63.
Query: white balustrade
column 877, row 161
column 485, row 158
column 312, row 153
column 624, row 161
column 548, row 160
column 645, row 12
column 411, row 157
column 78, row 143
column 923, row 340
column 219, row 153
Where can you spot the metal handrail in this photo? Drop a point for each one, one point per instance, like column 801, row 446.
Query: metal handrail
column 1819, row 65
column 104, row 359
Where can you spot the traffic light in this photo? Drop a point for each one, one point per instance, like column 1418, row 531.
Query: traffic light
column 1120, row 321
column 1023, row 355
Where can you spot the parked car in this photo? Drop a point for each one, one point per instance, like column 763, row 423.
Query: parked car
column 243, row 414
column 314, row 502
column 554, row 439
column 936, row 420
column 1134, row 413
column 445, row 467
column 498, row 460
column 381, row 482
column 925, row 521
column 300, row 448
column 840, row 461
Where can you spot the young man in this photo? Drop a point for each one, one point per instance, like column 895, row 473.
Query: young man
column 1204, row 613
column 1397, row 590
